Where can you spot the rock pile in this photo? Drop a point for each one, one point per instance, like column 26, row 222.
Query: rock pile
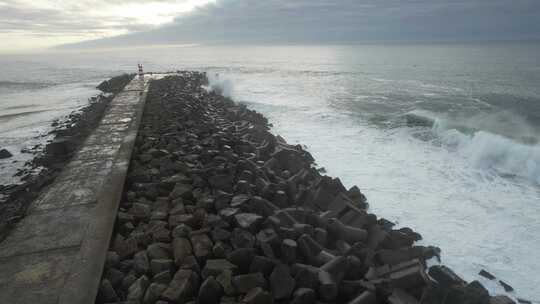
column 218, row 210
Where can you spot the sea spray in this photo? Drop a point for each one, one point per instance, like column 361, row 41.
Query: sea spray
column 219, row 85
column 488, row 151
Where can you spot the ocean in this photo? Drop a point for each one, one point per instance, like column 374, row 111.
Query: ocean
column 442, row 138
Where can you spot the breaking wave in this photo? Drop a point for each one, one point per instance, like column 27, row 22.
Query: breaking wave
column 494, row 152
column 219, row 85
column 488, row 151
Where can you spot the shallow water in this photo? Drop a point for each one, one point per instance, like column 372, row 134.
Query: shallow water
column 466, row 175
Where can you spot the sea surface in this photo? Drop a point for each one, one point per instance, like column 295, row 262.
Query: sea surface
column 443, row 138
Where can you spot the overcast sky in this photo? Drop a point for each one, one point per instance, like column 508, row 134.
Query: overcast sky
column 37, row 23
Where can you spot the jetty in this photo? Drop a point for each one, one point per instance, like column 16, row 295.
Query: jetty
column 181, row 195
column 56, row 253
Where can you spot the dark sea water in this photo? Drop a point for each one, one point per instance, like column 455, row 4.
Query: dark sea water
column 443, row 138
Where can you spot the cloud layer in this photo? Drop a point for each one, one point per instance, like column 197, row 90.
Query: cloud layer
column 335, row 21
column 29, row 23
column 272, row 21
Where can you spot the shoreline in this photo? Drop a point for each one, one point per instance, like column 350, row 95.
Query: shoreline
column 67, row 136
column 217, row 208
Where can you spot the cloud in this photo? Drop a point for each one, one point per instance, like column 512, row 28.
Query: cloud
column 71, row 20
column 327, row 21
column 271, row 21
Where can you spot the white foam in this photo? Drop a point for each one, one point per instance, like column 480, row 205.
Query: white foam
column 442, row 191
column 220, row 85
column 487, row 151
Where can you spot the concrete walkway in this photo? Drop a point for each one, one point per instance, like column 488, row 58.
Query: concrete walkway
column 56, row 253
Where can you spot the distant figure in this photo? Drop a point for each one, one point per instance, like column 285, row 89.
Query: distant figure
column 141, row 74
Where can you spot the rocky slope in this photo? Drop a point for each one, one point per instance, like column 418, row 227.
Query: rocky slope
column 216, row 209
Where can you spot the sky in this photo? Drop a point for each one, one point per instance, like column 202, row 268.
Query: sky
column 33, row 24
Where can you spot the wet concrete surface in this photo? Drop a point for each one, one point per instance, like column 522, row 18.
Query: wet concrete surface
column 56, row 253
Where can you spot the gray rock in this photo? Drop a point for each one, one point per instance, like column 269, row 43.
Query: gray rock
column 181, row 231
column 163, row 277
column 141, row 264
column 216, row 267
column 181, row 249
column 221, row 182
column 161, row 235
column 280, row 199
column 501, row 300
column 304, row 296
column 306, row 276
column 486, row 275
column 4, row 153
column 321, row 236
column 112, row 259
column 182, row 287
column 222, row 200
column 125, row 248
column 178, row 219
column 219, row 251
column 328, row 288
column 338, row 230
column 106, row 292
column 281, row 282
column 210, row 291
column 179, row 208
column 258, row 296
column 161, row 265
column 140, row 211
column 181, row 191
column 242, row 239
column 445, row 276
column 288, row 251
column 123, row 218
column 398, row 296
column 228, row 300
column 245, row 282
column 262, row 264
column 125, row 266
column 242, row 258
column 202, row 245
column 228, row 213
column 239, row 201
column 153, row 293
column 243, row 186
column 507, row 287
column 337, row 267
column 190, row 262
column 225, row 280
column 219, row 234
column 159, row 251
column 248, row 221
column 128, row 281
column 115, row 276
column 137, row 290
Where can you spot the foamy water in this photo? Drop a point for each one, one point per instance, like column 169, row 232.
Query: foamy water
column 466, row 177
column 32, row 96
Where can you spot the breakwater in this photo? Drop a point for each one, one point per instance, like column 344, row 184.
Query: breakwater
column 54, row 253
column 51, row 158
column 216, row 209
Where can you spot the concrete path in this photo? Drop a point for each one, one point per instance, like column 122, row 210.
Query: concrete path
column 56, row 253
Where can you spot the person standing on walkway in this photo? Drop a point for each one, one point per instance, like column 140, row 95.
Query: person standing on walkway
column 141, row 74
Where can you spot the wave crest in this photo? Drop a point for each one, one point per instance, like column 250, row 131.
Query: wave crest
column 488, row 151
